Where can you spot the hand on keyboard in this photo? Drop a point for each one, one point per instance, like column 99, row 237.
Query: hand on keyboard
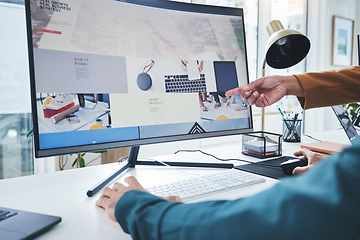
column 110, row 196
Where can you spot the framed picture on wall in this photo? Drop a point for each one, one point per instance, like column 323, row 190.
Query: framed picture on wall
column 342, row 41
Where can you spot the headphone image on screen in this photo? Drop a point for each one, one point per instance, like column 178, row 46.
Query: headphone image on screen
column 144, row 80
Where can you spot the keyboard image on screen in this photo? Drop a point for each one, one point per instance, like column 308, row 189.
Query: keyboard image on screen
column 182, row 84
column 205, row 185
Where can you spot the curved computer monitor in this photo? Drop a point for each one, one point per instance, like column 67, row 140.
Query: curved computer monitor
column 108, row 74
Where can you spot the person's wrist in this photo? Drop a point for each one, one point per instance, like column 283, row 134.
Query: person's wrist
column 293, row 85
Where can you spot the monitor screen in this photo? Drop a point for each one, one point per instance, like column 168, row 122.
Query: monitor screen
column 107, row 74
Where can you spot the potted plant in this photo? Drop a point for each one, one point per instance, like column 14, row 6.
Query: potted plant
column 353, row 111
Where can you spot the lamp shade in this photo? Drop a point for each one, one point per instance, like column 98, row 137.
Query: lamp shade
column 285, row 47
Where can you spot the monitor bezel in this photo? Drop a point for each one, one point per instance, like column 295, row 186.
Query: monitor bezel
column 181, row 6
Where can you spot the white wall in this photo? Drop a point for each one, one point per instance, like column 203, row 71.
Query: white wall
column 320, row 13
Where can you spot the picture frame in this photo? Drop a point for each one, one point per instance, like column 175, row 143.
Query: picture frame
column 342, row 41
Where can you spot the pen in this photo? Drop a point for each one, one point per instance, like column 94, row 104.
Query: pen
column 282, row 114
column 285, row 120
column 295, row 117
column 285, row 114
column 294, row 126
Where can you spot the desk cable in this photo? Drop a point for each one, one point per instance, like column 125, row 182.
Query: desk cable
column 229, row 159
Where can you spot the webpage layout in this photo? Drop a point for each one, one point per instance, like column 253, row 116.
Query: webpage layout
column 131, row 75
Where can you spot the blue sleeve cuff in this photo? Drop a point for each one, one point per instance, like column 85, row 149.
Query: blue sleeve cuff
column 134, row 207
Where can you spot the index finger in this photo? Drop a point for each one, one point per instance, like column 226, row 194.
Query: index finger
column 243, row 90
column 234, row 92
column 133, row 182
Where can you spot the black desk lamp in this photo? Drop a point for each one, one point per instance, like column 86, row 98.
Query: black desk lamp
column 285, row 48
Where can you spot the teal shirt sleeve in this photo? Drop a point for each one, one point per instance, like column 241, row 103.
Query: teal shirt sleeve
column 324, row 203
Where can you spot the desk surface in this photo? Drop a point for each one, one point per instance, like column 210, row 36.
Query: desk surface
column 64, row 193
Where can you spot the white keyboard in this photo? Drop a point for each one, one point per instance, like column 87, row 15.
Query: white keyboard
column 204, row 185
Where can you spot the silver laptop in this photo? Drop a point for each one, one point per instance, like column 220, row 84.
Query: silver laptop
column 17, row 224
column 345, row 121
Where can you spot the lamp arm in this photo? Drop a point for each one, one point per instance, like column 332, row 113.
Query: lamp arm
column 263, row 108
column 263, row 68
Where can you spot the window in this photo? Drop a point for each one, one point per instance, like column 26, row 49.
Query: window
column 16, row 157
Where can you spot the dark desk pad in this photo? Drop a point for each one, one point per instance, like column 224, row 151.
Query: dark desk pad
column 269, row 168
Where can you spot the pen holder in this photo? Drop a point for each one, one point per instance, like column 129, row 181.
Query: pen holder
column 261, row 144
column 292, row 130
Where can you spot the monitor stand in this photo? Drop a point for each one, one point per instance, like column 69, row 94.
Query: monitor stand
column 133, row 161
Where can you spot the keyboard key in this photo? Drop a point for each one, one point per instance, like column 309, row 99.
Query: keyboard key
column 5, row 215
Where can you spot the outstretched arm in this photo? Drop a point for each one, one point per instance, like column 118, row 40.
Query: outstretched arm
column 268, row 90
column 312, row 89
